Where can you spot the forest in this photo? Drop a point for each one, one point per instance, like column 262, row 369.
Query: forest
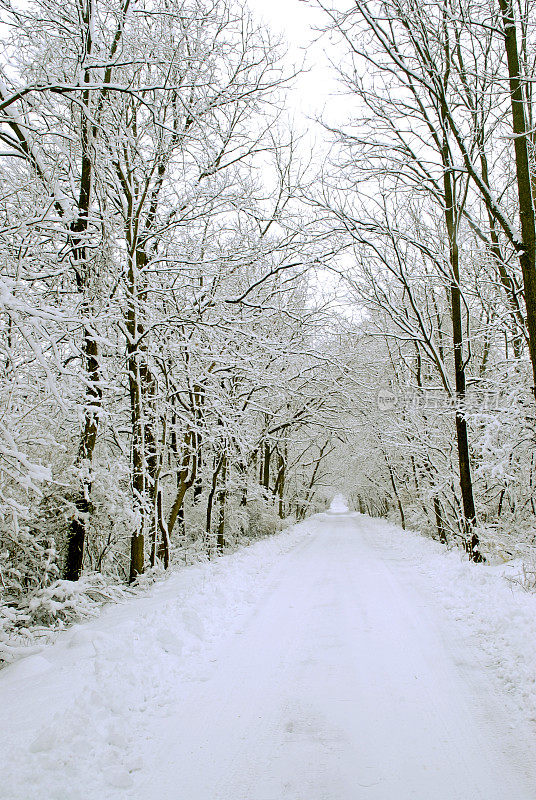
column 208, row 328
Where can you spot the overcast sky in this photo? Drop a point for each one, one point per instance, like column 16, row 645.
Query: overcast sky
column 297, row 20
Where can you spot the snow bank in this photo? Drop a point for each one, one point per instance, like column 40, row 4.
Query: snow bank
column 484, row 606
column 71, row 712
column 75, row 714
column 34, row 622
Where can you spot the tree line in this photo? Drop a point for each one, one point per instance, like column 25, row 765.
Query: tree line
column 202, row 331
column 431, row 187
column 164, row 381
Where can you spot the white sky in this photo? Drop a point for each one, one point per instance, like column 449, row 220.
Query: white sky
column 296, row 20
column 316, row 90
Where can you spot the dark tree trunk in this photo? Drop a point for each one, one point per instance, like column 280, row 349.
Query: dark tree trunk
column 243, row 472
column 440, row 527
column 279, row 488
column 134, row 358
column 199, row 401
column 210, row 499
column 466, row 485
column 222, row 499
column 78, row 232
column 186, row 477
column 527, row 246
column 265, row 481
column 136, row 556
column 75, row 544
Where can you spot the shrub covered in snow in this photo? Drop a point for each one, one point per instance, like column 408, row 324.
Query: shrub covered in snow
column 51, row 608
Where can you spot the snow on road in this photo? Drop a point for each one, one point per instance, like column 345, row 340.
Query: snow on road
column 333, row 662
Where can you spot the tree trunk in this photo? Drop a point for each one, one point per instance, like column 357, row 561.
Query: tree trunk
column 185, row 479
column 265, row 482
column 78, row 527
column 466, row 485
column 527, row 249
column 199, row 400
column 440, row 527
column 222, row 498
column 137, row 418
column 210, row 499
column 136, row 556
column 395, row 490
column 90, row 351
column 242, row 468
column 279, row 488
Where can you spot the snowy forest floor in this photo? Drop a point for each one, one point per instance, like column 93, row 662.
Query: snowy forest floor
column 343, row 659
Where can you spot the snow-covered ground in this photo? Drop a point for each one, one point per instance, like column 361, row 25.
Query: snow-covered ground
column 343, row 659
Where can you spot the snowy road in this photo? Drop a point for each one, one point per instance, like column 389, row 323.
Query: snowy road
column 333, row 678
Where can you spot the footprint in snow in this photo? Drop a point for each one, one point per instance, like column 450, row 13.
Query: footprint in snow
column 118, row 778
column 169, row 641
